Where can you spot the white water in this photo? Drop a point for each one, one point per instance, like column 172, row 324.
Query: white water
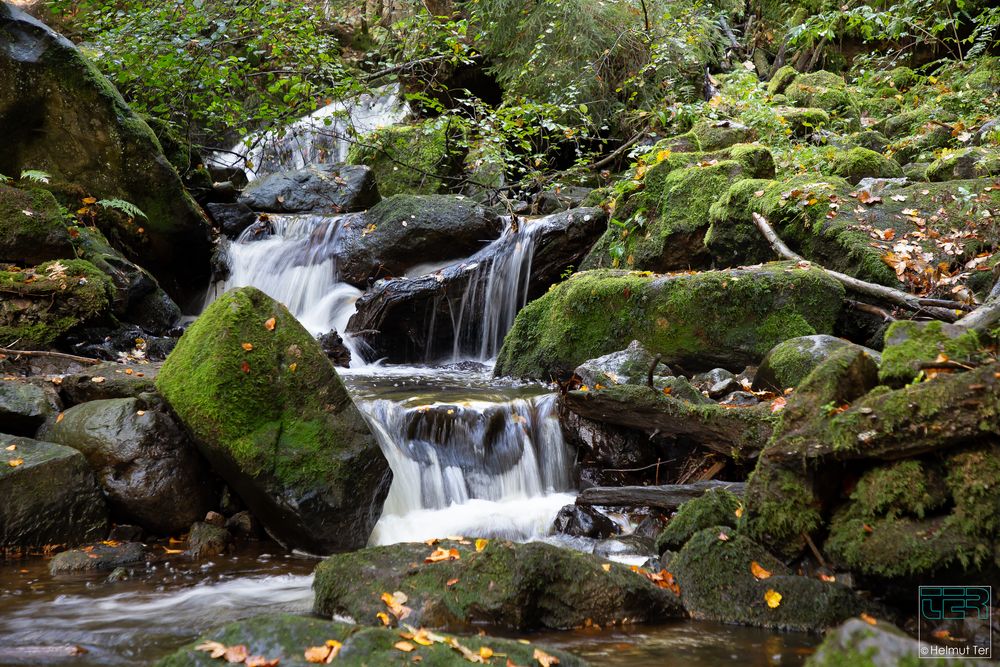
column 323, row 136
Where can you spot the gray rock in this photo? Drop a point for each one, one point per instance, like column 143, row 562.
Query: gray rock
column 207, row 541
column 108, row 380
column 144, row 461
column 723, row 387
column 100, row 557
column 50, row 498
column 25, row 405
column 584, row 522
column 855, row 642
column 232, row 219
column 628, row 366
column 739, row 399
column 321, row 188
column 789, row 362
column 710, row 378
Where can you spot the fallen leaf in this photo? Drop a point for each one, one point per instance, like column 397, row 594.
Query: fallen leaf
column 758, row 571
column 292, row 366
column 739, row 512
column 772, row 598
column 544, row 659
column 97, row 380
column 13, row 463
column 485, row 652
column 215, row 649
column 60, row 417
column 606, row 567
column 723, row 537
column 439, row 555
column 172, row 551
column 396, row 604
column 451, row 582
column 828, row 578
column 11, row 448
column 269, row 324
column 236, row 654
column 245, row 367
column 247, row 346
column 404, row 646
column 870, row 620
column 382, row 616
column 481, row 544
column 261, row 661
column 778, row 404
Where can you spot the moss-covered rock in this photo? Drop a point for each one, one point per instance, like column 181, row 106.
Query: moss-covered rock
column 413, row 159
column 821, row 90
column 285, row 637
column 912, row 487
column 59, row 114
column 718, row 507
column 514, row 586
column 273, row 418
column 802, row 121
column 715, row 135
column 714, row 318
column 859, row 163
column 909, row 344
column 32, row 227
column 49, row 300
column 781, row 79
column 714, row 573
column 50, row 498
column 790, row 361
column 972, row 162
column 858, row 643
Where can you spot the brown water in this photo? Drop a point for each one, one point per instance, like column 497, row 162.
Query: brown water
column 139, row 620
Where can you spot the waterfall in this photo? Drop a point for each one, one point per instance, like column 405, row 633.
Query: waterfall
column 323, row 136
column 476, row 467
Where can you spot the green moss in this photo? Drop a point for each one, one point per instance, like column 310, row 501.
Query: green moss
column 909, row 344
column 414, row 159
column 972, row 162
column 781, row 507
column 821, row 90
column 859, row 163
column 717, row 507
column 32, row 226
column 781, row 79
column 717, row 316
column 904, row 488
column 715, row 135
column 973, row 478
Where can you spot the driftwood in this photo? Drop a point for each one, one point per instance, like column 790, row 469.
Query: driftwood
column 666, row 498
column 879, row 292
column 51, row 355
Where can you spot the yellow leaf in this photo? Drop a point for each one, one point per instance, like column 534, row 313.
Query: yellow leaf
column 544, row 659
column 215, row 649
column 89, row 200
column 292, row 366
column 870, row 620
column 606, row 567
column 439, row 555
column 382, row 616
column 663, row 155
column 422, row 637
column 758, row 571
column 269, row 324
column 13, row 463
column 11, row 448
column 739, row 512
column 247, row 346
column 772, row 598
column 60, row 417
column 485, row 652
column 481, row 544
column 404, row 646
column 172, row 551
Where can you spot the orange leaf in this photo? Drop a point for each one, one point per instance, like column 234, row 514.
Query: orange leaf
column 485, row 652
column 382, row 616
column 772, row 598
column 247, row 346
column 870, row 620
column 261, row 661
column 439, row 555
column 404, row 646
column 60, row 417
column 451, row 582
column 236, row 654
column 758, row 571
column 245, row 367
column 269, row 325
column 13, row 463
column 544, row 659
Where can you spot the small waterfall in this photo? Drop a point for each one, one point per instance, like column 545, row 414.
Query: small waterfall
column 296, row 265
column 493, row 469
column 323, row 136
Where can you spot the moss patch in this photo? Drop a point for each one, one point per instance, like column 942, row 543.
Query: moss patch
column 716, row 508
column 909, row 344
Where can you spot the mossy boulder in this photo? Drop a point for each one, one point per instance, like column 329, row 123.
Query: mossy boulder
column 909, row 345
column 781, row 79
column 821, row 90
column 715, row 318
column 802, row 121
column 858, row 643
column 421, row 158
column 285, row 637
column 790, row 361
column 858, row 163
column 973, row 162
column 718, row 507
column 45, row 302
column 404, row 231
column 50, row 498
column 507, row 585
column 60, row 115
column 32, row 227
column 717, row 134
column 104, row 556
column 270, row 414
column 714, row 573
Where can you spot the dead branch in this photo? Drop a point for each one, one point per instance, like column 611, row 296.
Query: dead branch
column 986, row 315
column 52, row 355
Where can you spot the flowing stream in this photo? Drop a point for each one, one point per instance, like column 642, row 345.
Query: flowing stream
column 471, row 455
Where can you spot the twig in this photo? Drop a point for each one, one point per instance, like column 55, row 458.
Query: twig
column 815, row 551
column 871, row 310
column 45, row 353
column 618, row 151
column 881, row 292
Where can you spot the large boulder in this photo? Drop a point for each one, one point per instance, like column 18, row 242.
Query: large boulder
column 406, row 231
column 879, row 644
column 50, row 497
column 502, row 584
column 285, row 638
column 43, row 303
column 60, row 115
column 319, row 188
column 32, row 227
column 146, row 464
column 716, row 318
column 271, row 415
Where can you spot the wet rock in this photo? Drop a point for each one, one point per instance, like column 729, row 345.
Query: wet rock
column 145, row 462
column 25, row 405
column 741, row 314
column 856, row 642
column 215, row 519
column 404, row 232
column 99, row 557
column 334, row 349
column 285, row 637
column 125, row 533
column 108, row 380
column 232, row 219
column 319, row 188
column 32, row 227
column 399, row 310
column 513, row 586
column 122, row 342
column 92, row 138
column 709, row 378
column 584, row 522
column 665, row 497
column 560, row 199
column 717, row 507
column 241, row 525
column 966, row 163
column 274, row 420
column 790, row 361
column 609, row 446
column 118, row 575
column 207, row 540
column 50, row 498
column 739, row 399
column 723, row 388
column 716, row 584
column 628, row 366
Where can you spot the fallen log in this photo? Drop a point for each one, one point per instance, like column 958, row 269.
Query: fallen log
column 667, row 497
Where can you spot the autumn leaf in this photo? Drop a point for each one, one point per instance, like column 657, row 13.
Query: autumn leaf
column 245, row 367
column 13, row 463
column 870, row 620
column 215, row 649
column 481, row 544
column 758, row 571
column 269, row 324
column 485, row 652
column 451, row 582
column 247, row 346
column 778, row 404
column 723, row 537
column 172, row 551
column 60, row 417
column 606, row 567
column 261, row 661
column 404, row 646
column 11, row 448
column 739, row 512
column 382, row 616
column 395, row 602
column 544, row 659
column 235, row 654
column 828, row 578
column 772, row 598
column 439, row 555
column 323, row 654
